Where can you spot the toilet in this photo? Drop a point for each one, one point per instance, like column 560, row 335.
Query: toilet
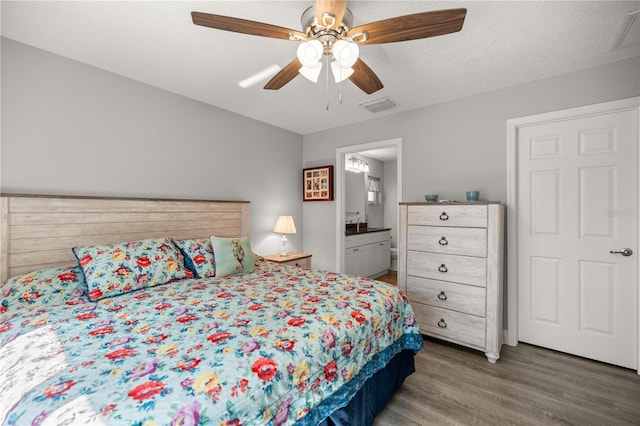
column 394, row 259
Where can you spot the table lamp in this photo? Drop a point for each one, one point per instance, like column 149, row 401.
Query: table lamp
column 284, row 226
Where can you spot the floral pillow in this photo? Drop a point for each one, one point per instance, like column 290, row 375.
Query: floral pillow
column 233, row 255
column 48, row 286
column 198, row 256
column 111, row 270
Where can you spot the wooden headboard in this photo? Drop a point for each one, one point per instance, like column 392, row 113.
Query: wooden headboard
column 38, row 231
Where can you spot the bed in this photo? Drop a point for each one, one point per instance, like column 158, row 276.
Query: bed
column 258, row 344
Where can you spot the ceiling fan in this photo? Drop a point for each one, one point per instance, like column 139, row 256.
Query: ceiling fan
column 328, row 36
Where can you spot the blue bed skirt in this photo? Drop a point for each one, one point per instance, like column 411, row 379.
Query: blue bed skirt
column 375, row 393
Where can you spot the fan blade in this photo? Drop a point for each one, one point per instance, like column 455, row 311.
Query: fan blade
column 365, row 78
column 412, row 27
column 285, row 75
column 332, row 7
column 245, row 26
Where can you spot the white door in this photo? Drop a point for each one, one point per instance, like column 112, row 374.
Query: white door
column 577, row 201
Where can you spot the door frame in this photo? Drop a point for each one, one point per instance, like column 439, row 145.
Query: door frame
column 339, row 187
column 511, row 337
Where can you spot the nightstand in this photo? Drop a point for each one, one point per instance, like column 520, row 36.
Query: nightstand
column 301, row 260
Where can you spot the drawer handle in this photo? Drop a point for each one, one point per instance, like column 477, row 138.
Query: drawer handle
column 444, row 216
column 442, row 323
column 443, row 241
column 442, row 296
column 442, row 268
column 355, row 249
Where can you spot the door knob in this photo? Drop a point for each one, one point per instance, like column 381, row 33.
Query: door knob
column 624, row 252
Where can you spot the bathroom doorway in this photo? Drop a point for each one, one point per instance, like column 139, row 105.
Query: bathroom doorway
column 389, row 154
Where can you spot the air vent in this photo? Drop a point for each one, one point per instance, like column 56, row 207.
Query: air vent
column 378, row 105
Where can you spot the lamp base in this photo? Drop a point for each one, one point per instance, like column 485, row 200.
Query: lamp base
column 284, row 245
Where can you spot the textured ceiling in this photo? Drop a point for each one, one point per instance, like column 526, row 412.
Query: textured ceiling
column 502, row 44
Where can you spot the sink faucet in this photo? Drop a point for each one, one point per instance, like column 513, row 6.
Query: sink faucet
column 358, row 222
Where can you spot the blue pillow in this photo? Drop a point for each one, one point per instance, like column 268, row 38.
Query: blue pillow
column 198, row 256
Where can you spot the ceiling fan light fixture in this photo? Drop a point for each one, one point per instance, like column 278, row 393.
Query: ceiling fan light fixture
column 311, row 73
column 310, row 53
column 340, row 73
column 327, row 30
column 346, row 53
column 328, row 19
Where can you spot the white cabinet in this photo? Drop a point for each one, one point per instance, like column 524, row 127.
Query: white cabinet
column 356, row 261
column 450, row 264
column 368, row 254
column 380, row 258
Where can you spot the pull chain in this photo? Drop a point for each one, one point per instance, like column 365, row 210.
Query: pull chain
column 326, row 66
column 340, row 88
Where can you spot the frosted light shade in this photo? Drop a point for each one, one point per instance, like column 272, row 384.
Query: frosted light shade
column 310, row 53
column 346, row 53
column 339, row 73
column 285, row 225
column 311, row 73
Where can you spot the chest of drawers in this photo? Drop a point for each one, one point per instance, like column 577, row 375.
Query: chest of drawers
column 450, row 264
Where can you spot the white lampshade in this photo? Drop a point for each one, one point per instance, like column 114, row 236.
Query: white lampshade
column 311, row 73
column 285, row 225
column 310, row 52
column 346, row 53
column 339, row 73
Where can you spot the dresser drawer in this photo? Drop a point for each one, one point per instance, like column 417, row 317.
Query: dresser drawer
column 450, row 325
column 448, row 240
column 457, row 297
column 447, row 267
column 448, row 215
column 305, row 262
column 301, row 260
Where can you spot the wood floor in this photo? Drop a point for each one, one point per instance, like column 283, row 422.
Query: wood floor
column 391, row 277
column 528, row 385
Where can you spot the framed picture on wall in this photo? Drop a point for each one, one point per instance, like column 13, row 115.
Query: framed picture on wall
column 317, row 184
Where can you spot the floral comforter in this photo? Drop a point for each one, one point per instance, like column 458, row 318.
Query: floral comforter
column 278, row 346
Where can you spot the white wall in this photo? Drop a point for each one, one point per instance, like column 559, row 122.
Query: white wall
column 68, row 128
column 390, row 199
column 453, row 146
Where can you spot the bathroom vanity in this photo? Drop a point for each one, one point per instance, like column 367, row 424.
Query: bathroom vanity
column 367, row 251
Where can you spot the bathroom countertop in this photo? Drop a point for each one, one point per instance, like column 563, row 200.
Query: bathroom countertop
column 366, row 231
